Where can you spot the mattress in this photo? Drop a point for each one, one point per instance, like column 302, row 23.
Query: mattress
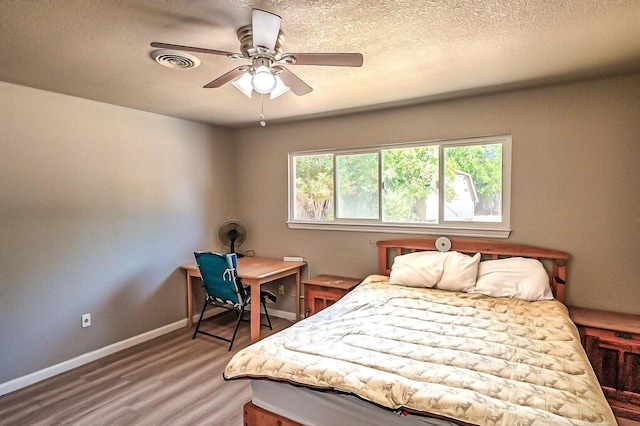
column 462, row 356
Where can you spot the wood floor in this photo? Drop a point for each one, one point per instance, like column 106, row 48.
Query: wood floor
column 170, row 380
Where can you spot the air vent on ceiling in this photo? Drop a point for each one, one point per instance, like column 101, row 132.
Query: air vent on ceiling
column 175, row 59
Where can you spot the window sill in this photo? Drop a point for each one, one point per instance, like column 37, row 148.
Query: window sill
column 452, row 231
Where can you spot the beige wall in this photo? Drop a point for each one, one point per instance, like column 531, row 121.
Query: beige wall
column 575, row 174
column 99, row 205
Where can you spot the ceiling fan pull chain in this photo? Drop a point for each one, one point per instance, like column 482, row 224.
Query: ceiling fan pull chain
column 262, row 122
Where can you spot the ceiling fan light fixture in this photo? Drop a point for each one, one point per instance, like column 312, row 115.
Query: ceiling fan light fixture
column 280, row 88
column 243, row 84
column 263, row 81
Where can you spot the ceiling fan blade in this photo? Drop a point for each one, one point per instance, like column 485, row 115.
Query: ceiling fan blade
column 196, row 49
column 265, row 27
column 329, row 59
column 227, row 77
column 294, row 82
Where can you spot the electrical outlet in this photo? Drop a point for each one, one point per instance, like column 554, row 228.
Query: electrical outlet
column 86, row 320
column 293, row 259
column 280, row 288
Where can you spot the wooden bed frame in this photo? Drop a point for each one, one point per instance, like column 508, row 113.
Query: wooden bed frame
column 389, row 249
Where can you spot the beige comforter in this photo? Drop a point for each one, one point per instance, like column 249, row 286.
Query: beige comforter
column 477, row 359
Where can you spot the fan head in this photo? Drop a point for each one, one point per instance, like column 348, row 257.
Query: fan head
column 245, row 36
column 261, row 43
column 232, row 234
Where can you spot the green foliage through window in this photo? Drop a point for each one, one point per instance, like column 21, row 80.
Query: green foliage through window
column 410, row 176
column 357, row 176
column 427, row 183
column 314, row 187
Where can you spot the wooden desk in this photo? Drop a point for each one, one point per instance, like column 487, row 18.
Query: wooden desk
column 254, row 272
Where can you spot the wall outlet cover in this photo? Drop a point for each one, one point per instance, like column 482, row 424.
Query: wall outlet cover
column 293, row 259
column 86, row 320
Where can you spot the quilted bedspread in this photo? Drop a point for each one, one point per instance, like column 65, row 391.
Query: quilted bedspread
column 464, row 356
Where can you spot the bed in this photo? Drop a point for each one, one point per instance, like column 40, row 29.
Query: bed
column 443, row 334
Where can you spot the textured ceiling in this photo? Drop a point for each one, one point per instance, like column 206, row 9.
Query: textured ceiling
column 413, row 50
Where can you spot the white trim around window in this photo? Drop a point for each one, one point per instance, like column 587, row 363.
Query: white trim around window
column 442, row 195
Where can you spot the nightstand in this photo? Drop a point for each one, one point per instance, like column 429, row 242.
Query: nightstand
column 324, row 290
column 612, row 343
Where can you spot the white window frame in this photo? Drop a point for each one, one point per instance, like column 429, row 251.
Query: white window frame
column 450, row 228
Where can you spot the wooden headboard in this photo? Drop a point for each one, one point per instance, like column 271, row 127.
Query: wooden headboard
column 389, row 249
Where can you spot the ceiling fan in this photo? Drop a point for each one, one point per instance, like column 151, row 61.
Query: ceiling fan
column 261, row 44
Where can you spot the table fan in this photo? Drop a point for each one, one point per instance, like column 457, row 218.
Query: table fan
column 233, row 234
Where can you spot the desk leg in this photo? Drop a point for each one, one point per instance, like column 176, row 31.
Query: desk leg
column 298, row 294
column 255, row 311
column 189, row 300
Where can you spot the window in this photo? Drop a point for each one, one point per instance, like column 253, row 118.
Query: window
column 452, row 187
column 357, row 178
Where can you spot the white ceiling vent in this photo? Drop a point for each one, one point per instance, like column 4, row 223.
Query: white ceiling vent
column 175, row 59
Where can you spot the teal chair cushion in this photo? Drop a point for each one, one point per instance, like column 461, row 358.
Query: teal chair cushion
column 218, row 272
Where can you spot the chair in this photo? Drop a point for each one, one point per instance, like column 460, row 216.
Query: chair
column 224, row 289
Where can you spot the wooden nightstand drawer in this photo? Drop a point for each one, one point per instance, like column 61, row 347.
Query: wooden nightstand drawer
column 325, row 290
column 612, row 343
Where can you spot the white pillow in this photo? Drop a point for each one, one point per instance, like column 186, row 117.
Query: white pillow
column 460, row 272
column 514, row 277
column 419, row 269
column 445, row 270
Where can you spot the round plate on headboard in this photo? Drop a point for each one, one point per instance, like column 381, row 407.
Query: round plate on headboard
column 443, row 244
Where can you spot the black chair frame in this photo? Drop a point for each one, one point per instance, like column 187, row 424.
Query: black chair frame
column 209, row 301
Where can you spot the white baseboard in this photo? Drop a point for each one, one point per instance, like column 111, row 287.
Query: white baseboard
column 291, row 316
column 45, row 373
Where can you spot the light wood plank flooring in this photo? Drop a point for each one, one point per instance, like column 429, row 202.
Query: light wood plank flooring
column 170, row 380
